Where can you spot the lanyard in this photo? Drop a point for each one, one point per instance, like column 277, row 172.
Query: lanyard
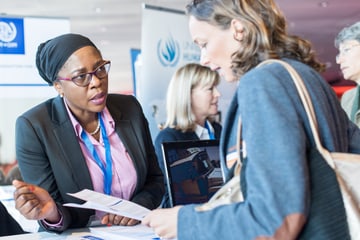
column 107, row 170
column 211, row 134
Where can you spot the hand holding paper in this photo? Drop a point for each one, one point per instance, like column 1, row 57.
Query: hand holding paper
column 110, row 204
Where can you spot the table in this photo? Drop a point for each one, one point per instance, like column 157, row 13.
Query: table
column 138, row 232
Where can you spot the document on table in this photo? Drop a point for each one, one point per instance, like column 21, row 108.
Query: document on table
column 138, row 232
column 110, row 204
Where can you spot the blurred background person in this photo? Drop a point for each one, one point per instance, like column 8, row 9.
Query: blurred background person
column 191, row 105
column 348, row 43
column 84, row 138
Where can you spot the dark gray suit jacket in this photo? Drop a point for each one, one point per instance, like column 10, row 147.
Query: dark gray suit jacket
column 50, row 156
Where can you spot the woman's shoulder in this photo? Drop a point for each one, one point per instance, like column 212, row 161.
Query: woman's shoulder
column 122, row 102
column 168, row 132
column 274, row 68
column 272, row 76
column 121, row 97
column 172, row 134
column 349, row 93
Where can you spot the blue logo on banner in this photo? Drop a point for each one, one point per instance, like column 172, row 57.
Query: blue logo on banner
column 168, row 52
column 12, row 36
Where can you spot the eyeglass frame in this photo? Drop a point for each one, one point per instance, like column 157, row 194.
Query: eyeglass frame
column 89, row 75
column 345, row 51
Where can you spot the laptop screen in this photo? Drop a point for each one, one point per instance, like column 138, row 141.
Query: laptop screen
column 192, row 170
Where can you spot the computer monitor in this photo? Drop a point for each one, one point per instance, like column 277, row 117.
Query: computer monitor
column 192, row 170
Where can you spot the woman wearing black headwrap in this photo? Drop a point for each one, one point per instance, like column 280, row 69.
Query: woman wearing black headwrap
column 83, row 139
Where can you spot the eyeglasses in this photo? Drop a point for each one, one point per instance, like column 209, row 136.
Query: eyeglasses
column 345, row 51
column 83, row 80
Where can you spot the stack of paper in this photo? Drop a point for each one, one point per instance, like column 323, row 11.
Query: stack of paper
column 138, row 232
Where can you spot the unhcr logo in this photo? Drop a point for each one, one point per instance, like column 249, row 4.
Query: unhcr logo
column 7, row 31
column 12, row 36
column 168, row 52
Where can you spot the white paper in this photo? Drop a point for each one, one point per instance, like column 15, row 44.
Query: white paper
column 7, row 199
column 110, row 204
column 137, row 232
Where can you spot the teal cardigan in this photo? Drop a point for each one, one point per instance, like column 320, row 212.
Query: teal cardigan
column 279, row 182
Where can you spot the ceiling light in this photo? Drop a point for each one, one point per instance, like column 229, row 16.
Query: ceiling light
column 98, row 10
column 324, row 4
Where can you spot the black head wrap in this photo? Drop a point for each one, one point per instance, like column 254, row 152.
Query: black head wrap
column 52, row 54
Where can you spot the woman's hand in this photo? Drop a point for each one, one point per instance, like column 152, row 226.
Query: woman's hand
column 163, row 221
column 34, row 202
column 112, row 219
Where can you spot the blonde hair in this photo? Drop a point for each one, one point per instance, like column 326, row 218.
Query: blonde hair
column 178, row 99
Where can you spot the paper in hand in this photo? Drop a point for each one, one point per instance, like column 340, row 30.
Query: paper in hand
column 110, row 204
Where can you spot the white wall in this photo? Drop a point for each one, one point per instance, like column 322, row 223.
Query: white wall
column 21, row 87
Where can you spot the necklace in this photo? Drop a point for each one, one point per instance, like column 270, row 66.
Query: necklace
column 96, row 130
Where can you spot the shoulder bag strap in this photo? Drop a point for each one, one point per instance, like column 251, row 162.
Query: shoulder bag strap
column 306, row 101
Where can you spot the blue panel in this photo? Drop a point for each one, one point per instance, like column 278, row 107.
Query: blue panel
column 12, row 36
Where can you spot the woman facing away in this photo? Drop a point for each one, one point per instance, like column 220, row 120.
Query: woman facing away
column 84, row 138
column 277, row 178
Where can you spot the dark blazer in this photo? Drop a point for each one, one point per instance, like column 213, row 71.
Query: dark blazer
column 50, row 156
column 9, row 226
column 173, row 135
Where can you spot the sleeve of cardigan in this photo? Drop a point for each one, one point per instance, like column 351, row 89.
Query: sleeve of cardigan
column 274, row 173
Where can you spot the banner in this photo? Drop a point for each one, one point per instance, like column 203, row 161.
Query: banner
column 165, row 46
column 12, row 36
column 21, row 86
column 135, row 60
column 19, row 39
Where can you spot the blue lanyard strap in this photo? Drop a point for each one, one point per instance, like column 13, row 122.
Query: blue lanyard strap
column 106, row 169
column 211, row 133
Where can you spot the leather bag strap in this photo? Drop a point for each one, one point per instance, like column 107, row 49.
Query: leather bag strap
column 306, row 101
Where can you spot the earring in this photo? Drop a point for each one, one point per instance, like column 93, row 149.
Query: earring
column 61, row 95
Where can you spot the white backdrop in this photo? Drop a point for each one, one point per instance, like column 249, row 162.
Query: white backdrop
column 21, row 87
column 165, row 46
